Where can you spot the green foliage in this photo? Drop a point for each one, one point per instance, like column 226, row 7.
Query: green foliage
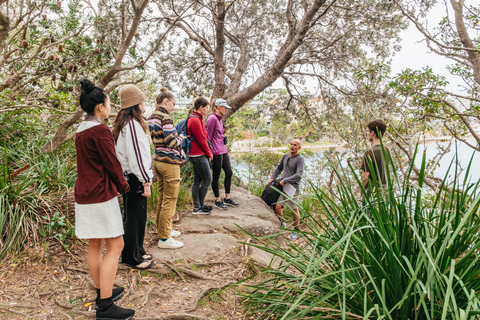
column 401, row 256
column 260, row 166
column 58, row 227
column 28, row 177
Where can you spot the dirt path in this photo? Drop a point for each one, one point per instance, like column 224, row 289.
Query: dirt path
column 193, row 282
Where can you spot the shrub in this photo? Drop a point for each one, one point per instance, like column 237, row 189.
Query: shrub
column 401, row 256
column 260, row 166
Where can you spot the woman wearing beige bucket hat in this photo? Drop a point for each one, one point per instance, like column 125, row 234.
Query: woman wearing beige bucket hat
column 133, row 152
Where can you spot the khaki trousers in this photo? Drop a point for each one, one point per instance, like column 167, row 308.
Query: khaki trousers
column 168, row 176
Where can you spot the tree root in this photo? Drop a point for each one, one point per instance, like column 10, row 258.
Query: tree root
column 192, row 273
column 63, row 305
column 16, row 312
column 200, row 296
column 65, row 314
column 77, row 270
column 172, row 267
column 175, row 316
column 145, row 300
column 210, row 263
column 86, row 314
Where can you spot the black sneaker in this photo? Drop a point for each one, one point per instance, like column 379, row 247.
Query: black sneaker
column 117, row 293
column 107, row 310
column 201, row 210
column 230, row 202
column 220, row 205
column 207, row 208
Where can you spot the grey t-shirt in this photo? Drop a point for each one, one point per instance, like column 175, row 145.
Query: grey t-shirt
column 292, row 168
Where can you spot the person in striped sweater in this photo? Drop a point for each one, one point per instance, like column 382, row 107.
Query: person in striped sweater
column 133, row 152
column 169, row 156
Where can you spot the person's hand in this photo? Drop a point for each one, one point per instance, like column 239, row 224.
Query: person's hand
column 282, row 183
column 269, row 181
column 146, row 190
column 210, row 159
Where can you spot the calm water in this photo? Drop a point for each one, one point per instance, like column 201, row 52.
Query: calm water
column 459, row 151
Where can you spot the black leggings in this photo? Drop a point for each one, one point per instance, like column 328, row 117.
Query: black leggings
column 221, row 161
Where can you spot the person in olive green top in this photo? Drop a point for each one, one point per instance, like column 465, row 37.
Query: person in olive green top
column 375, row 154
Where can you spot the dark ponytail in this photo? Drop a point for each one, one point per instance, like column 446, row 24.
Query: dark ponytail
column 200, row 102
column 90, row 96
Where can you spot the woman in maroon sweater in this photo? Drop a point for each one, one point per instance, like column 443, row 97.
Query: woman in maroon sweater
column 200, row 155
column 97, row 213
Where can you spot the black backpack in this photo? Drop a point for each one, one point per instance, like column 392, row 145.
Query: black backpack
column 269, row 194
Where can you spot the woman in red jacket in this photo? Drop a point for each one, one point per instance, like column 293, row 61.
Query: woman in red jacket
column 199, row 156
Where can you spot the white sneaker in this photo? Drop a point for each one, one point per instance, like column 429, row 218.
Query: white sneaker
column 170, row 243
column 175, row 233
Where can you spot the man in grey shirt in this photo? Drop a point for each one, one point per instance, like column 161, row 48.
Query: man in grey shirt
column 292, row 165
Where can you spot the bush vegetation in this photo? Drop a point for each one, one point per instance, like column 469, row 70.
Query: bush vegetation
column 404, row 255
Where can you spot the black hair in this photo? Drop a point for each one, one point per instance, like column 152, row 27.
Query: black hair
column 200, row 102
column 90, row 96
column 379, row 125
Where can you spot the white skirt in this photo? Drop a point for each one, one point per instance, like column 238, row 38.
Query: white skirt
column 98, row 220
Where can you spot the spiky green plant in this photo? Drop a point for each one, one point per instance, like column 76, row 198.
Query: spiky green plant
column 401, row 256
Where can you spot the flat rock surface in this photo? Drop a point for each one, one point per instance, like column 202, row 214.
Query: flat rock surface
column 198, row 247
column 207, row 236
column 252, row 215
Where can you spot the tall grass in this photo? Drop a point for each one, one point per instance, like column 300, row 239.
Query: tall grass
column 29, row 183
column 401, row 256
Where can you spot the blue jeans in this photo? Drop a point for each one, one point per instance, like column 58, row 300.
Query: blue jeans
column 202, row 179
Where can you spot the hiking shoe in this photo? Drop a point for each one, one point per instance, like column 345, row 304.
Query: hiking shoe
column 117, row 293
column 230, row 202
column 107, row 310
column 175, row 233
column 220, row 205
column 293, row 236
column 202, row 210
column 170, row 243
column 207, row 208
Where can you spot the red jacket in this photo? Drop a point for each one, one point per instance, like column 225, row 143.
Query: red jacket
column 196, row 128
column 100, row 176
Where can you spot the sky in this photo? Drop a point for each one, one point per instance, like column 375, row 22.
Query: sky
column 415, row 53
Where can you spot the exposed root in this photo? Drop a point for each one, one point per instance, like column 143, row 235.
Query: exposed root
column 145, row 300
column 65, row 314
column 175, row 316
column 86, row 314
column 16, row 306
column 200, row 296
column 16, row 312
column 210, row 263
column 77, row 270
column 63, row 305
column 172, row 267
column 220, row 270
column 191, row 273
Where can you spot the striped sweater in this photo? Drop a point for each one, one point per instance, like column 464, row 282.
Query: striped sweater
column 167, row 143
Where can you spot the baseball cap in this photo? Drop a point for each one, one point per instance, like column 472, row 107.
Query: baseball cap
column 222, row 102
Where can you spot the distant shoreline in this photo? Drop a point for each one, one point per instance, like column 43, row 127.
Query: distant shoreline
column 250, row 145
